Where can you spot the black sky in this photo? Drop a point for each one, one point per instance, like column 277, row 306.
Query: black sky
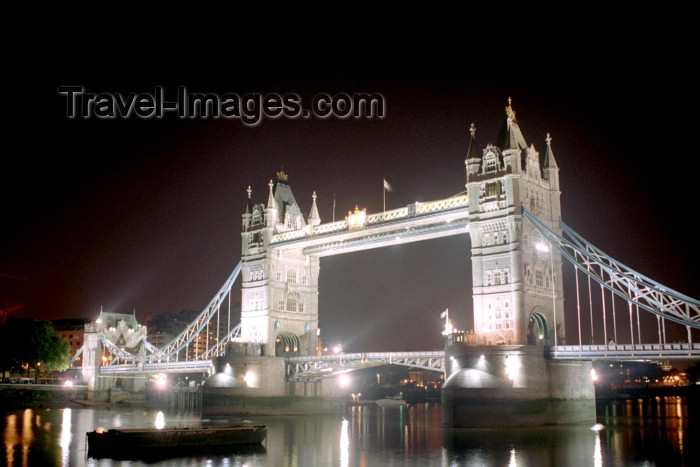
column 145, row 214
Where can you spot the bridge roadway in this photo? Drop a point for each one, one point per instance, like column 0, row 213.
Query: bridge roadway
column 417, row 221
column 319, row 366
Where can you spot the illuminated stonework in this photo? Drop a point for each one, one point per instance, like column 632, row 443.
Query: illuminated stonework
column 517, row 290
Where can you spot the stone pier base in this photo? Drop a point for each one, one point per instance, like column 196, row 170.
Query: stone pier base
column 506, row 386
column 245, row 384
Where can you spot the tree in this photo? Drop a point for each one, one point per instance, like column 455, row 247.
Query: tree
column 33, row 343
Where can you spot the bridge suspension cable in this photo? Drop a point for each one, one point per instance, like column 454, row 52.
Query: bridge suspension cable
column 633, row 287
column 200, row 324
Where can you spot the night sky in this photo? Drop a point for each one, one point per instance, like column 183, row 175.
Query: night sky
column 145, row 214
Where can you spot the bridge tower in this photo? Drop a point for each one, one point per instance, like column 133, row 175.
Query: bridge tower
column 517, row 276
column 279, row 303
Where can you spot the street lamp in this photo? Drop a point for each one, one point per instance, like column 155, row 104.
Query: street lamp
column 338, row 350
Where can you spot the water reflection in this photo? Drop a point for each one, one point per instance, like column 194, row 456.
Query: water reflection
column 344, row 444
column 657, row 432
column 66, row 436
column 160, row 420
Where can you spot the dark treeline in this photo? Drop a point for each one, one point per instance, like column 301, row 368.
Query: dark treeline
column 27, row 344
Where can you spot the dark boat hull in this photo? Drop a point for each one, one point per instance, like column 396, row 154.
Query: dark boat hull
column 136, row 442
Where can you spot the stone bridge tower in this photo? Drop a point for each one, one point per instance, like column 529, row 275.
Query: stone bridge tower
column 279, row 303
column 517, row 275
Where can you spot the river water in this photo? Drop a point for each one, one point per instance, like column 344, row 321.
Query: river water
column 662, row 431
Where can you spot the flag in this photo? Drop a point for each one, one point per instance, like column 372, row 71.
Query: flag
column 443, row 314
column 387, row 187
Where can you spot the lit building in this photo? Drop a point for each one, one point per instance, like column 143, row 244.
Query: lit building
column 73, row 332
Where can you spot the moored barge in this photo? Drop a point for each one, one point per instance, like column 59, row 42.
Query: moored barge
column 118, row 441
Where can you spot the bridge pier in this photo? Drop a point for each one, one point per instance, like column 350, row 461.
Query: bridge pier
column 244, row 384
column 514, row 385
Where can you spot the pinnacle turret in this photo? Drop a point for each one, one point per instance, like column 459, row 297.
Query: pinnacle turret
column 314, row 218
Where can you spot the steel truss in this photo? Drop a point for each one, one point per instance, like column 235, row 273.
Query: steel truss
column 624, row 282
column 314, row 367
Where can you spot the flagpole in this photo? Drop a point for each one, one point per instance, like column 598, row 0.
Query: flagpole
column 384, row 193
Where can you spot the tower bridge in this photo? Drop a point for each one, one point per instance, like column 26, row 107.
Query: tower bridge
column 511, row 210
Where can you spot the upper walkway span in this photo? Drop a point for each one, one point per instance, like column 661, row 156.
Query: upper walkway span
column 415, row 222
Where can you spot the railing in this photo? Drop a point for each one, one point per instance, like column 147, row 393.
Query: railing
column 625, row 351
column 324, row 365
column 411, row 210
column 159, row 367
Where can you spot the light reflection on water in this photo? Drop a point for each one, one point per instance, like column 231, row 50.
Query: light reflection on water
column 628, row 433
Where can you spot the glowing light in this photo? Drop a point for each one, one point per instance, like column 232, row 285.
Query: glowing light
column 68, row 383
column 344, row 444
column 160, row 420
column 594, row 375
column 250, row 379
column 161, row 382
column 66, row 435
column 357, row 219
column 512, row 367
column 542, row 247
column 512, row 462
column 344, row 380
column 597, row 451
column 448, row 328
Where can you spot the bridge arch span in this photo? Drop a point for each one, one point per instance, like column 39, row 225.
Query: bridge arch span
column 538, row 328
column 287, row 344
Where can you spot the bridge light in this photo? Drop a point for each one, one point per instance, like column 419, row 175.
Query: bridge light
column 542, row 247
column 512, row 364
column 344, row 380
column 357, row 219
column 160, row 420
column 161, row 382
column 594, row 375
column 251, row 379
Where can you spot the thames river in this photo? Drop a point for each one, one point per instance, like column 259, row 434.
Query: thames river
column 627, row 433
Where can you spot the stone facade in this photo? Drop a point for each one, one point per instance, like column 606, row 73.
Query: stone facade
column 517, row 276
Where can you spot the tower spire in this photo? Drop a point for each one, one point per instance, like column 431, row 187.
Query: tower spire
column 249, row 202
column 271, row 204
column 473, row 160
column 314, row 218
column 549, row 161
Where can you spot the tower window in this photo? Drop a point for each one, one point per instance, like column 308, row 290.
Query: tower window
column 492, row 189
column 292, row 276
